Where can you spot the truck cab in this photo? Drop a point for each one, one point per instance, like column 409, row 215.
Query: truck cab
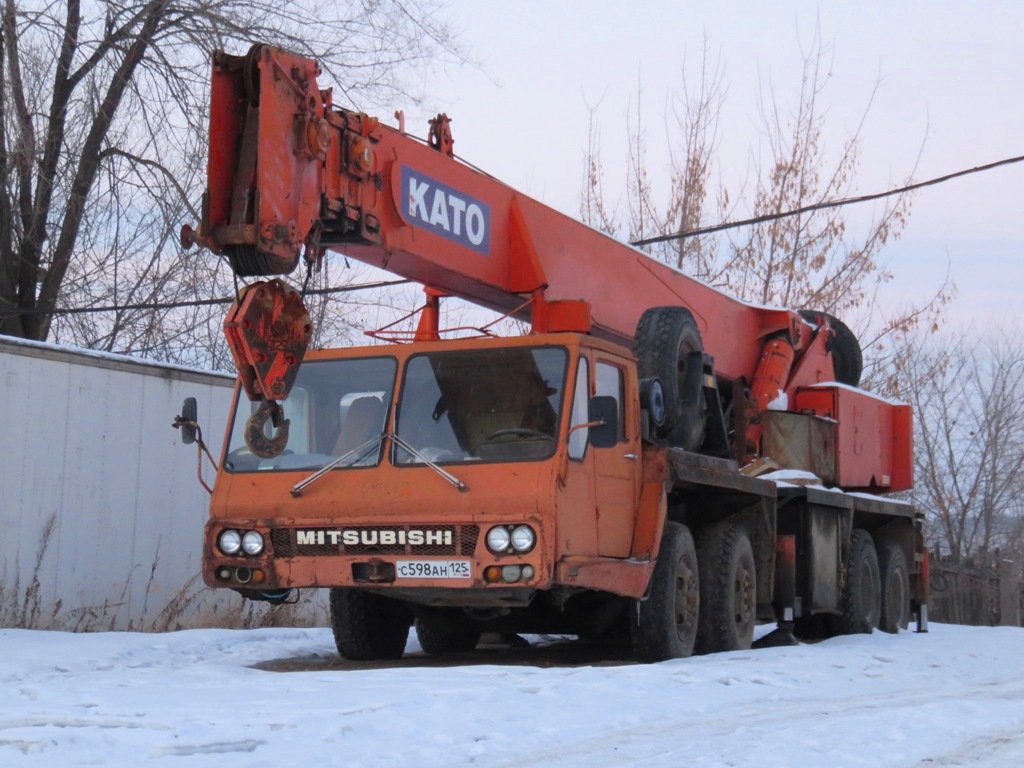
column 469, row 472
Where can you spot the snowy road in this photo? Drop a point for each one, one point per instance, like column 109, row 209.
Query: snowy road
column 952, row 697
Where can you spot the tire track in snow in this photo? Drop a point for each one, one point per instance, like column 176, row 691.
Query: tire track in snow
column 686, row 739
column 1004, row 746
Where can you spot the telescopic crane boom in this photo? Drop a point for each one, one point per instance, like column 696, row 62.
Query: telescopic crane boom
column 291, row 175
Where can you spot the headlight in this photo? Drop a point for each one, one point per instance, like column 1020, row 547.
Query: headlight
column 230, row 542
column 252, row 542
column 523, row 538
column 498, row 539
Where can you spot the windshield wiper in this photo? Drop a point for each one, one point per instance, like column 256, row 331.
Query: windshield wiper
column 364, row 449
column 416, row 454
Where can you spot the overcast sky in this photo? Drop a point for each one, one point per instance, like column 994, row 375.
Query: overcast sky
column 949, row 75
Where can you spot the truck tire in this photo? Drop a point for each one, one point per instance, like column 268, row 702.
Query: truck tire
column 667, row 345
column 847, row 358
column 728, row 589
column 444, row 631
column 895, row 587
column 368, row 627
column 860, row 603
column 666, row 623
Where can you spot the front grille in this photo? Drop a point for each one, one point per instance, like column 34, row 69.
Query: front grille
column 431, row 540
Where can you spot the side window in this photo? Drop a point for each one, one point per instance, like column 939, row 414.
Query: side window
column 580, row 400
column 609, row 380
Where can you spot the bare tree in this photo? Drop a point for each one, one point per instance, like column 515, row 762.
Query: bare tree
column 593, row 209
column 693, row 142
column 102, row 122
column 813, row 260
column 968, row 399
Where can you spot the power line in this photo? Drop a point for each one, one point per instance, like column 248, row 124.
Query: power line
column 824, row 205
column 193, row 303
column 648, row 241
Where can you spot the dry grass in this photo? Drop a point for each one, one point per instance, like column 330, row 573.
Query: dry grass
column 193, row 606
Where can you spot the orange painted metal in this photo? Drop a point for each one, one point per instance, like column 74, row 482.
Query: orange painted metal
column 652, row 509
column 291, row 175
column 345, row 181
column 357, row 197
column 430, row 317
column 622, row 577
column 562, row 510
column 269, row 139
column 872, row 452
column 562, row 316
column 772, row 373
column 268, row 331
column 313, row 176
column 903, row 447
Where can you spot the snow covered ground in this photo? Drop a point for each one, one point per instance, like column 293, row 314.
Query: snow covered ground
column 954, row 696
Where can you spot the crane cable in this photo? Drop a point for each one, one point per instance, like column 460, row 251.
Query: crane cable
column 824, row 205
column 638, row 243
column 192, row 303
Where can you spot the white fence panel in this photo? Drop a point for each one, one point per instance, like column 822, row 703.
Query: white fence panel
column 101, row 511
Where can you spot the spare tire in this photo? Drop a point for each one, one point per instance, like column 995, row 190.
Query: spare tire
column 668, row 346
column 847, row 358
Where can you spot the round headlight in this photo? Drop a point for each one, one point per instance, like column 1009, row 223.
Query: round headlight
column 528, row 572
column 229, row 542
column 523, row 538
column 252, row 542
column 511, row 573
column 498, row 539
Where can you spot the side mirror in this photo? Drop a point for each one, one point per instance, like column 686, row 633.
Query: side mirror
column 604, row 409
column 187, row 420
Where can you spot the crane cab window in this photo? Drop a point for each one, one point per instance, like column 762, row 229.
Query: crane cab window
column 610, row 380
column 500, row 404
column 334, row 407
column 580, row 400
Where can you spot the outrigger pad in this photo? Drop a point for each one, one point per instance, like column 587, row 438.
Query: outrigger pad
column 781, row 636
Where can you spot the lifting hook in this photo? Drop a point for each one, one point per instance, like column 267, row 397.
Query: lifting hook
column 255, row 435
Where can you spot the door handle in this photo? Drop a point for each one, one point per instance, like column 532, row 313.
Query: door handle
column 629, row 455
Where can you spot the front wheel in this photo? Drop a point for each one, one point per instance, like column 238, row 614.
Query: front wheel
column 446, row 631
column 368, row 627
column 666, row 624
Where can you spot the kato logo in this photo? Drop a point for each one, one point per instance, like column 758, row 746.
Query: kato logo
column 370, row 537
column 445, row 211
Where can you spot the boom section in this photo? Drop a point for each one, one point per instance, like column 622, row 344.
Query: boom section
column 291, row 175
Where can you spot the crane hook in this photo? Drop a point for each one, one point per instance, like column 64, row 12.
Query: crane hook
column 255, row 436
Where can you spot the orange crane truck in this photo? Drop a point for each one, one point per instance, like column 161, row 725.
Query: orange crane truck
column 598, row 474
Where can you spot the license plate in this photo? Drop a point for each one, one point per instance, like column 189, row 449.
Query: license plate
column 433, row 569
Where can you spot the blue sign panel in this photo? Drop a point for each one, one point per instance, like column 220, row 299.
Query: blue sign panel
column 445, row 211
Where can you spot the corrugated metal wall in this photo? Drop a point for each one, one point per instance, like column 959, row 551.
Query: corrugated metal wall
column 101, row 514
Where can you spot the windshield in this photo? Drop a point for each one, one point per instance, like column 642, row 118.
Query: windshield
column 334, row 406
column 481, row 405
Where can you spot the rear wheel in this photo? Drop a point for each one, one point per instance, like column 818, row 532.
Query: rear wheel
column 666, row 624
column 860, row 603
column 895, row 587
column 368, row 627
column 728, row 589
column 446, row 631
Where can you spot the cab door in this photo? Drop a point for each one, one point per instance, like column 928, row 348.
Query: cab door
column 616, row 468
